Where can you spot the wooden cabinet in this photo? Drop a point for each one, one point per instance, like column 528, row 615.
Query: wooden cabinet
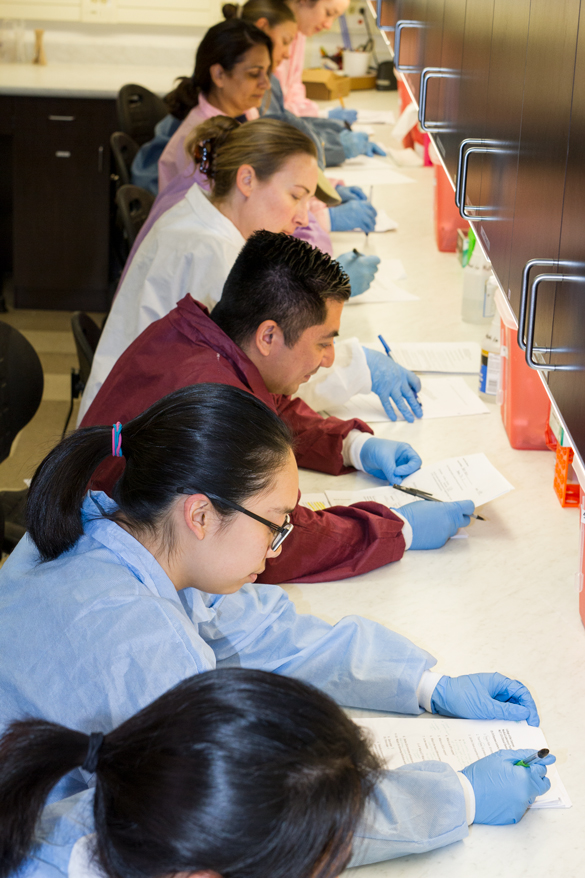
column 58, row 183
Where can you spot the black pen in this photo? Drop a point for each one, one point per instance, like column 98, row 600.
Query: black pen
column 424, row 495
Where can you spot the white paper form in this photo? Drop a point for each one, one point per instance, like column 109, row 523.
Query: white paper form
column 384, row 223
column 461, row 357
column 381, row 291
column 376, row 117
column 471, row 477
column 439, row 397
column 458, row 742
column 364, row 171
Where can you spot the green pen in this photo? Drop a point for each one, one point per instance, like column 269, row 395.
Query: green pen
column 540, row 754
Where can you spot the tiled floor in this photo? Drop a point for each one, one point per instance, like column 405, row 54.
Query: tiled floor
column 50, row 334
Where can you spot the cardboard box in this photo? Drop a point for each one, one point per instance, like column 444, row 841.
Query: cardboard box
column 325, row 85
column 358, row 83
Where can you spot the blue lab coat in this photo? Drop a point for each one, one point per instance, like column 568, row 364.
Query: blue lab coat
column 92, row 637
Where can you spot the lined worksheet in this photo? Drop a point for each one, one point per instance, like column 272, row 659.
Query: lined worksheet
column 461, row 357
column 458, row 742
column 440, row 398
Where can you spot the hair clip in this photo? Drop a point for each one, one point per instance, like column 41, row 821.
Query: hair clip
column 203, row 157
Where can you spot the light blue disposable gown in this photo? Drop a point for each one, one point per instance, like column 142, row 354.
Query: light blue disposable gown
column 92, row 637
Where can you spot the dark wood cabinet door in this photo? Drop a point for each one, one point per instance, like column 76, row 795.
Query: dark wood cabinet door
column 61, row 184
column 568, row 330
column 505, row 92
column 447, row 90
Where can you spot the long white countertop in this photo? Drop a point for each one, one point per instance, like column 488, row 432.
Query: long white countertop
column 83, row 80
column 504, row 599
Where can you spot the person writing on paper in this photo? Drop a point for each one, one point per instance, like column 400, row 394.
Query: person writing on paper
column 263, row 175
column 292, row 766
column 123, row 599
column 272, row 329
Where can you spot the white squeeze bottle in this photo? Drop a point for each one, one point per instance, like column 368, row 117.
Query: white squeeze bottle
column 491, row 362
column 477, row 304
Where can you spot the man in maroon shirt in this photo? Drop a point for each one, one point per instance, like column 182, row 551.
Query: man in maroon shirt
column 272, row 329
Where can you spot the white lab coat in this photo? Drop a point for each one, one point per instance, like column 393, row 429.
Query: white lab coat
column 191, row 249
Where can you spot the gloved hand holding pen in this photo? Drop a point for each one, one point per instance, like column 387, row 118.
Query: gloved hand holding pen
column 351, row 215
column 358, row 143
column 351, row 193
column 503, row 789
column 434, row 523
column 360, row 270
column 394, row 384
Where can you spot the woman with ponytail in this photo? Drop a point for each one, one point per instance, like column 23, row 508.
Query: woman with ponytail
column 231, row 773
column 107, row 603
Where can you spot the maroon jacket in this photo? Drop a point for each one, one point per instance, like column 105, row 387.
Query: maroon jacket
column 187, row 347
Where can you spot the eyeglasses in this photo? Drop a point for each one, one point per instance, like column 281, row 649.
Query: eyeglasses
column 281, row 531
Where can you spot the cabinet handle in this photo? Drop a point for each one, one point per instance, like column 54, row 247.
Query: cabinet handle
column 63, row 154
column 400, row 26
column 432, row 73
column 543, row 263
column 530, row 347
column 383, row 27
column 466, row 148
column 61, row 118
column 100, row 159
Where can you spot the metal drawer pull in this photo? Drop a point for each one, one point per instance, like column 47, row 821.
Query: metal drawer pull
column 100, row 159
column 400, row 26
column 467, row 148
column 63, row 154
column 543, row 263
column 530, row 347
column 61, row 118
column 383, row 27
column 432, row 73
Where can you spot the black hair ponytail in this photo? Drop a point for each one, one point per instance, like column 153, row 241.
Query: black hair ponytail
column 34, row 756
column 210, row 437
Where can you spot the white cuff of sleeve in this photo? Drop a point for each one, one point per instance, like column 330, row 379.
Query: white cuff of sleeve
column 469, row 798
column 352, row 448
column 425, row 689
column 406, row 533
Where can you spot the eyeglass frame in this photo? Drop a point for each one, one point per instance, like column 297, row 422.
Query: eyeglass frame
column 282, row 530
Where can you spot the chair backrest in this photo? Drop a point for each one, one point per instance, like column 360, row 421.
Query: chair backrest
column 86, row 333
column 21, row 385
column 138, row 112
column 134, row 206
column 124, row 148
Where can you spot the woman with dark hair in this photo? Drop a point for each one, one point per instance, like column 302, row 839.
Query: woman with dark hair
column 232, row 64
column 107, row 603
column 233, row 772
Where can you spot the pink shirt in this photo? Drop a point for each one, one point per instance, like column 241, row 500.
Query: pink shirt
column 174, row 159
column 290, row 76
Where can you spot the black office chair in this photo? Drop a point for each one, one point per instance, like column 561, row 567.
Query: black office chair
column 134, row 205
column 21, row 391
column 138, row 112
column 124, row 148
column 86, row 334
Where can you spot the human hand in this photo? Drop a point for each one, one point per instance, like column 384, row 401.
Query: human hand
column 389, row 460
column 351, row 193
column 374, row 149
column 433, row 523
column 351, row 215
column 484, row 696
column 343, row 115
column 360, row 270
column 391, row 381
column 503, row 790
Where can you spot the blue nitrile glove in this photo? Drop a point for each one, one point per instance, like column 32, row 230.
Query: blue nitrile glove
column 357, row 143
column 343, row 115
column 360, row 269
column 390, row 460
column 390, row 380
column 374, row 149
column 484, row 696
column 433, row 523
column 351, row 193
column 503, row 790
column 353, row 215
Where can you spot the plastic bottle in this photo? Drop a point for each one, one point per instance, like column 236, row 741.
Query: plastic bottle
column 491, row 362
column 477, row 304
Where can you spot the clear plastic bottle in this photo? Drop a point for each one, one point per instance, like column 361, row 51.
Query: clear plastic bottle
column 491, row 362
column 477, row 304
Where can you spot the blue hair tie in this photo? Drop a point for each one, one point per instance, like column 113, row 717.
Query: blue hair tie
column 117, row 440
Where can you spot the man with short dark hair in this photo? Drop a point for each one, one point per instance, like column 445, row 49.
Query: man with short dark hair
column 272, row 329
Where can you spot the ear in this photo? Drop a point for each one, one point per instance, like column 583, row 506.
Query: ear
column 197, row 513
column 246, row 180
column 217, row 74
column 263, row 24
column 269, row 339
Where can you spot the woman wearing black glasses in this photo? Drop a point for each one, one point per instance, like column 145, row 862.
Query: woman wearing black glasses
column 107, row 603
